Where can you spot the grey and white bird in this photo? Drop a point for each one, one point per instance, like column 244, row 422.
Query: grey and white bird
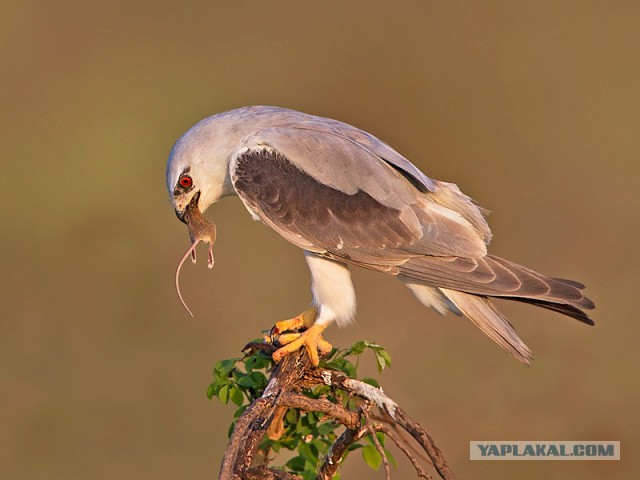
column 347, row 198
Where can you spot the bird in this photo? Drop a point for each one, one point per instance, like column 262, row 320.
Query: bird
column 346, row 198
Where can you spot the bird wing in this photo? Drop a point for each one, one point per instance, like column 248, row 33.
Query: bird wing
column 497, row 277
column 374, row 146
column 326, row 189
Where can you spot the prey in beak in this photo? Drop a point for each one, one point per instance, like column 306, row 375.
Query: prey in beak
column 200, row 230
column 193, row 204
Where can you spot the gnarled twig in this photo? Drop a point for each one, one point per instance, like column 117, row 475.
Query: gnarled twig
column 286, row 384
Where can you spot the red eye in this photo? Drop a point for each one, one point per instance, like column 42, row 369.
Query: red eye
column 185, row 182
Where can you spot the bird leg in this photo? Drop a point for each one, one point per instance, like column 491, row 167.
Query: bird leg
column 310, row 338
column 304, row 320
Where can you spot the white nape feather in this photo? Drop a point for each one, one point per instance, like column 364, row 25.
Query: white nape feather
column 332, row 289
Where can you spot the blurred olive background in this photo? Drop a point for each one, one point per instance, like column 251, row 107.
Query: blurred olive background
column 532, row 108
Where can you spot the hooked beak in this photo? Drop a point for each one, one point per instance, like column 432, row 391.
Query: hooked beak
column 180, row 215
column 192, row 204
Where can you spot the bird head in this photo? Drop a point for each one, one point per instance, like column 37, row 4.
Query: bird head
column 198, row 168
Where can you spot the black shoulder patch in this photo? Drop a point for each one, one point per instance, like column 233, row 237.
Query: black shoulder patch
column 297, row 202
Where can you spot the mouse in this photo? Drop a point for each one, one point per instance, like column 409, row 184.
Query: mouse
column 200, row 229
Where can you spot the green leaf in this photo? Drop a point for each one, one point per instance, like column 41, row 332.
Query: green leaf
column 391, row 458
column 321, row 390
column 350, row 370
column 304, row 449
column 210, row 392
column 246, row 382
column 259, row 379
column 302, row 427
column 290, row 444
column 259, row 361
column 321, row 446
column 219, row 382
column 379, row 362
column 382, row 358
column 371, row 457
column 224, row 367
column 386, row 356
column 296, row 464
column 358, row 347
column 309, row 472
column 236, row 396
column 371, row 381
column 239, row 412
column 327, row 427
column 291, row 416
column 223, row 394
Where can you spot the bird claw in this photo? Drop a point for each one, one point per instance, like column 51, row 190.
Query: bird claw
column 305, row 319
column 311, row 339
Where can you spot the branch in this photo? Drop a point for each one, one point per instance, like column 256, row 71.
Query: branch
column 253, row 423
column 296, row 400
column 265, row 473
column 376, row 443
column 289, row 379
column 377, row 396
column 338, row 450
column 426, row 442
column 404, row 449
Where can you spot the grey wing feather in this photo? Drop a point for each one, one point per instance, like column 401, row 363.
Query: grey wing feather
column 315, row 216
column 333, row 162
column 382, row 150
column 353, row 225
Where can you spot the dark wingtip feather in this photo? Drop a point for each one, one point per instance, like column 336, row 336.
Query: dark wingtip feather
column 573, row 283
column 588, row 303
column 585, row 302
column 568, row 310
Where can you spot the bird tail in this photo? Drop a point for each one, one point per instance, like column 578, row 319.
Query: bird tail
column 487, row 318
column 468, row 282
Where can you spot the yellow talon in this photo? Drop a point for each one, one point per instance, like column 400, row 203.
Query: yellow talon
column 287, row 338
column 305, row 319
column 310, row 339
